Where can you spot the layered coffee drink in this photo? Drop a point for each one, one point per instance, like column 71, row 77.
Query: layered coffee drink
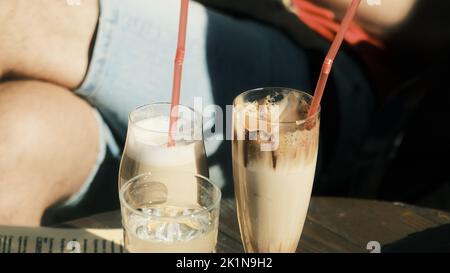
column 274, row 150
column 146, row 149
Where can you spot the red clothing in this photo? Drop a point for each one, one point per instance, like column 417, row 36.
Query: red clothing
column 323, row 21
column 371, row 50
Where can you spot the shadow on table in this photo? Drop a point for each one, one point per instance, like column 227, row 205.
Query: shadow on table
column 433, row 240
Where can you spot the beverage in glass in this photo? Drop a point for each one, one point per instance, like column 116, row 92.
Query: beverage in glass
column 146, row 149
column 274, row 155
column 158, row 218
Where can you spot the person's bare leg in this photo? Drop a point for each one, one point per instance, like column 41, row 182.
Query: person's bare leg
column 48, row 146
column 48, row 136
column 47, row 40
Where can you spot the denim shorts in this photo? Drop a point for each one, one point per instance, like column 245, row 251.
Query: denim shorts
column 132, row 65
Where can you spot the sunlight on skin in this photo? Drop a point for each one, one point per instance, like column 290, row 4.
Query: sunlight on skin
column 48, row 39
column 379, row 17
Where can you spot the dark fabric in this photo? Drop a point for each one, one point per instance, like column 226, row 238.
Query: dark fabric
column 102, row 196
column 274, row 13
column 245, row 54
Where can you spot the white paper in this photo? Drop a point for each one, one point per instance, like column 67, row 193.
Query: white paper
column 57, row 240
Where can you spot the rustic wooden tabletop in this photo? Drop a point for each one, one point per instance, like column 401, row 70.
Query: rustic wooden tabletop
column 333, row 224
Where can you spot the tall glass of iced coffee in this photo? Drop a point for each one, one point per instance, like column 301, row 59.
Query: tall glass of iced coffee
column 274, row 150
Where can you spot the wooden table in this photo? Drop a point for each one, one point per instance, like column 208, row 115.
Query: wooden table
column 332, row 225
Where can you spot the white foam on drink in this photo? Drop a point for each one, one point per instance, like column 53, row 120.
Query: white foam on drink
column 148, row 140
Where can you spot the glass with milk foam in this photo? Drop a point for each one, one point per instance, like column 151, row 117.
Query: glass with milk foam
column 146, row 149
column 158, row 218
column 274, row 155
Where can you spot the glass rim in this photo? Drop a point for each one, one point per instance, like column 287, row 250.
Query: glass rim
column 142, row 107
column 208, row 209
column 297, row 122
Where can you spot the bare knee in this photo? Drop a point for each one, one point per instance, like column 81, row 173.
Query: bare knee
column 48, row 145
column 46, row 39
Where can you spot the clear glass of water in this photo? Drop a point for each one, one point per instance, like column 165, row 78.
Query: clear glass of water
column 158, row 216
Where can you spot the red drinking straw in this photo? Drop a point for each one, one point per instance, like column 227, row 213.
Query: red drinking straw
column 178, row 69
column 328, row 63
